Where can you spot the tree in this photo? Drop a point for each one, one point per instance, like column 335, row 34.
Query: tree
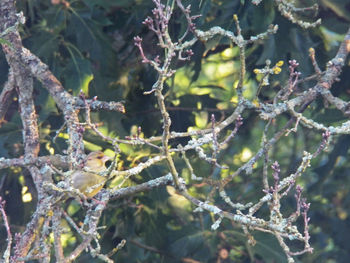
column 200, row 168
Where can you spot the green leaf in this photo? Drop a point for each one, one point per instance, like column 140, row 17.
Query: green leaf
column 78, row 75
column 339, row 7
column 109, row 3
column 186, row 245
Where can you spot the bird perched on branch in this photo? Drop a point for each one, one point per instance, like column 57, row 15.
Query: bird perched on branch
column 88, row 181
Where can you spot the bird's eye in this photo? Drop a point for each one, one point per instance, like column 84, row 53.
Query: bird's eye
column 99, row 157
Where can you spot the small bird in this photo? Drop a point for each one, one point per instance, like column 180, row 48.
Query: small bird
column 89, row 182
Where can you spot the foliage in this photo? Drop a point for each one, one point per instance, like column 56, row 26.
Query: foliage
column 88, row 45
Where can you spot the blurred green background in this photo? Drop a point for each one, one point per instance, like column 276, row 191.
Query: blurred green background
column 88, row 45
